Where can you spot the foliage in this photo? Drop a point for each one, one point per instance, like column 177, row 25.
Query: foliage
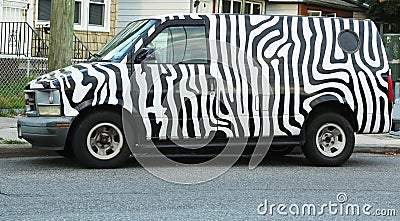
column 14, row 142
column 3, row 114
column 387, row 11
column 12, row 93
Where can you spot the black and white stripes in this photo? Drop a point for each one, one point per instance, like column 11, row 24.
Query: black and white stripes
column 269, row 73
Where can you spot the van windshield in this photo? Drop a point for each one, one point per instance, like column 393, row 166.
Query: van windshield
column 117, row 47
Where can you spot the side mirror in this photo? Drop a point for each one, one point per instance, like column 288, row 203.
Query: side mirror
column 145, row 53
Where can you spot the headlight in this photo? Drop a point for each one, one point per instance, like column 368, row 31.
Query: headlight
column 48, row 102
column 49, row 110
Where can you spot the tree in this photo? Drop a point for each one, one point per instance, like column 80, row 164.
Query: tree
column 61, row 33
column 387, row 11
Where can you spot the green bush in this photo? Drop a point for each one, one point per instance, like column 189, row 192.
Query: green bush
column 12, row 94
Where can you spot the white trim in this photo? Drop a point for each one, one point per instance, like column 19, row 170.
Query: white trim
column 29, row 12
column 1, row 10
column 84, row 25
column 314, row 13
column 19, row 4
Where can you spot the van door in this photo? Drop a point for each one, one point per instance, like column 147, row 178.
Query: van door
column 179, row 86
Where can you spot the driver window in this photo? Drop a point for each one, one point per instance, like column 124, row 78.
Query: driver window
column 180, row 44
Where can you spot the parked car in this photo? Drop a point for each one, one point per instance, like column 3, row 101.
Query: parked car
column 306, row 81
column 396, row 117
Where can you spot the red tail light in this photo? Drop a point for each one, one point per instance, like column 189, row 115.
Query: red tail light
column 390, row 89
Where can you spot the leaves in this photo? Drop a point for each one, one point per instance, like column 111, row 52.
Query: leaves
column 384, row 12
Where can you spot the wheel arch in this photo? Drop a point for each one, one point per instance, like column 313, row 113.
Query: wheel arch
column 117, row 108
column 332, row 106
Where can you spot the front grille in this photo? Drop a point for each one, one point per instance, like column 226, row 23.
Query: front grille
column 30, row 101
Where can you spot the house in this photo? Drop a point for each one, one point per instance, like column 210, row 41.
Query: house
column 95, row 22
column 129, row 10
column 328, row 8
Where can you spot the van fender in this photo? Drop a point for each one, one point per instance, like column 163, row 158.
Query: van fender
column 328, row 98
column 329, row 103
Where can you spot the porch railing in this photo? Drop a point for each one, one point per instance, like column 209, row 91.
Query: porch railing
column 21, row 39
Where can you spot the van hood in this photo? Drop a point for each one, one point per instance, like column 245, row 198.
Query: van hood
column 86, row 84
column 81, row 74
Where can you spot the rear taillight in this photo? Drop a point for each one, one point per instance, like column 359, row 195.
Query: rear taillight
column 390, row 89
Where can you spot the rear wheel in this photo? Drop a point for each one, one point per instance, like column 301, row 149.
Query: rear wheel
column 329, row 140
column 98, row 140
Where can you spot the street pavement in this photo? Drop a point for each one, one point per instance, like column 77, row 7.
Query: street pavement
column 37, row 185
column 53, row 188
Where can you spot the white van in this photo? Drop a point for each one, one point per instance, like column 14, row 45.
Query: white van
column 305, row 81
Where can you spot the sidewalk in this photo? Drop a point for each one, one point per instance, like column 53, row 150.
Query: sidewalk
column 365, row 143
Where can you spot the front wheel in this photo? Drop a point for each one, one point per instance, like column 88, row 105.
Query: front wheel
column 329, row 140
column 98, row 140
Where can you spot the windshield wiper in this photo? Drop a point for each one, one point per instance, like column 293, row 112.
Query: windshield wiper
column 98, row 56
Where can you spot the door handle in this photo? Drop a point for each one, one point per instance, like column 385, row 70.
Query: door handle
column 211, row 84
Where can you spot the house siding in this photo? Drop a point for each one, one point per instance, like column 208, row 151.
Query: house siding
column 303, row 8
column 359, row 15
column 130, row 10
column 281, row 9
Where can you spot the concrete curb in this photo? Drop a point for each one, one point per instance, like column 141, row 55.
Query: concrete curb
column 26, row 150
column 382, row 149
column 22, row 150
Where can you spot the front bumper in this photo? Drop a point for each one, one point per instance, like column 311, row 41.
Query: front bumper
column 48, row 133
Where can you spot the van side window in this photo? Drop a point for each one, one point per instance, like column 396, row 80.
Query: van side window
column 349, row 41
column 180, row 44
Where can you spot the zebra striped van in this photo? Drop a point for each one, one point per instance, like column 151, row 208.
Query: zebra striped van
column 179, row 80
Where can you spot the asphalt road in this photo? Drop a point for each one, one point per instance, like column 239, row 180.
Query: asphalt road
column 53, row 188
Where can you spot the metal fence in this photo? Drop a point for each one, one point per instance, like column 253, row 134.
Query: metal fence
column 21, row 39
column 15, row 73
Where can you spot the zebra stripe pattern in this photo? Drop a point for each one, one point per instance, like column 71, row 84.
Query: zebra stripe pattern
column 270, row 72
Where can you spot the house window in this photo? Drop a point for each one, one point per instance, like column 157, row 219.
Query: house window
column 92, row 15
column 77, row 12
column 320, row 13
column 96, row 12
column 45, row 10
column 235, row 6
column 314, row 13
column 253, row 8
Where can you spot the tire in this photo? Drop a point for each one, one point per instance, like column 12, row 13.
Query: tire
column 98, row 140
column 280, row 150
column 329, row 140
column 67, row 153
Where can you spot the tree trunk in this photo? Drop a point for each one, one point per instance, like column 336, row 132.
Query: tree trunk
column 61, row 33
